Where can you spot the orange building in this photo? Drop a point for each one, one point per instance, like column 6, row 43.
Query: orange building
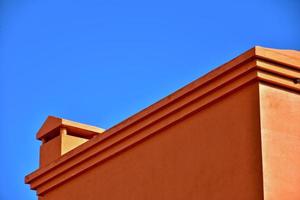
column 232, row 134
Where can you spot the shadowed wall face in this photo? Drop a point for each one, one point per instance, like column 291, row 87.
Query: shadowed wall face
column 213, row 154
column 280, row 121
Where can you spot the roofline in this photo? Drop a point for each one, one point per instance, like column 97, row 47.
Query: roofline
column 289, row 58
column 255, row 65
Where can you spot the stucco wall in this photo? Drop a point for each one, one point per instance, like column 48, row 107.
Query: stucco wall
column 280, row 119
column 213, row 154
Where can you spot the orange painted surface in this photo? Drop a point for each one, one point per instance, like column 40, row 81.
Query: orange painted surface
column 220, row 137
column 280, row 119
column 206, row 155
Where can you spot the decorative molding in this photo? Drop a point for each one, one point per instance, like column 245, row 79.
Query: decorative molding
column 247, row 68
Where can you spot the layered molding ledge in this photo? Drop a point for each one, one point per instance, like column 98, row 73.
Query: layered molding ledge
column 256, row 65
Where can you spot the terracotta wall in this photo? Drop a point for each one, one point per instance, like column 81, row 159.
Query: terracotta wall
column 280, row 119
column 213, row 154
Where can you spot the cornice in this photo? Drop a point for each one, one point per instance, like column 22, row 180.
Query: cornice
column 256, row 65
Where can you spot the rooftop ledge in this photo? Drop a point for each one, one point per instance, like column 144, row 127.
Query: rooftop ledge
column 280, row 68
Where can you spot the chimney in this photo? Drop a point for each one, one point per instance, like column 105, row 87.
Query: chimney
column 60, row 136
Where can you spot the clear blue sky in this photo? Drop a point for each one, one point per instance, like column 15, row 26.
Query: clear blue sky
column 98, row 62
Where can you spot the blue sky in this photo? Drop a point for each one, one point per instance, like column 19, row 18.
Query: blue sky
column 98, row 62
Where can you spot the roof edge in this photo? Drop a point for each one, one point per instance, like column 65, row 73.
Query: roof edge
column 251, row 65
column 285, row 57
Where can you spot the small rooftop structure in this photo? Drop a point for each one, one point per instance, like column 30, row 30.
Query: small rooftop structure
column 60, row 136
column 51, row 127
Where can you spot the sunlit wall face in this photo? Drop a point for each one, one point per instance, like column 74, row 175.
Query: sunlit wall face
column 118, row 57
